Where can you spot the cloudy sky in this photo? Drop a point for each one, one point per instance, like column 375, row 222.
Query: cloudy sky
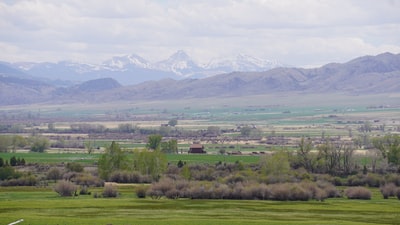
column 298, row 33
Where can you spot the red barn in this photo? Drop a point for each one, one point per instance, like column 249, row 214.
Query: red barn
column 197, row 148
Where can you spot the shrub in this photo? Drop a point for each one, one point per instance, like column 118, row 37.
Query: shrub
column 235, row 179
column 86, row 179
column 74, row 167
column 154, row 193
column 54, row 174
column 358, row 193
column 388, row 190
column 299, row 193
column 221, row 191
column 128, row 177
column 172, row 193
column 65, row 188
column 30, row 180
column 394, row 178
column 141, row 191
column 110, row 191
column 279, row 192
column 84, row 190
column 398, row 193
column 96, row 195
column 374, row 180
column 330, row 190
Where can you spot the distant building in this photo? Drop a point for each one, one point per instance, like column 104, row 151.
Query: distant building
column 197, row 149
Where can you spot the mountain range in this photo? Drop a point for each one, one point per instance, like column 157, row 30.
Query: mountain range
column 363, row 75
column 133, row 69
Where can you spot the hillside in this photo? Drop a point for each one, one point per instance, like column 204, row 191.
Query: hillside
column 364, row 75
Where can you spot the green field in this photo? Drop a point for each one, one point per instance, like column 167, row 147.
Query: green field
column 54, row 158
column 43, row 206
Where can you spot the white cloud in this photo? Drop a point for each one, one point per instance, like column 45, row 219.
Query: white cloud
column 291, row 31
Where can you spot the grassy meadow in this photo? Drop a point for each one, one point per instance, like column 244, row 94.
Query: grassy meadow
column 44, row 206
column 292, row 116
column 86, row 159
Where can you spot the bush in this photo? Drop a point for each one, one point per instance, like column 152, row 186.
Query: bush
column 398, row 193
column 110, row 191
column 358, row 193
column 74, row 167
column 393, row 178
column 388, row 190
column 30, row 180
column 128, row 177
column 54, row 174
column 279, row 192
column 84, row 179
column 141, row 191
column 84, row 190
column 299, row 193
column 330, row 190
column 374, row 180
column 65, row 188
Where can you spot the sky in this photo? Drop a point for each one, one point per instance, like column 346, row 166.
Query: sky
column 299, row 33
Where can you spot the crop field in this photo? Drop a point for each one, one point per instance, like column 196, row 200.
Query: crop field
column 43, row 206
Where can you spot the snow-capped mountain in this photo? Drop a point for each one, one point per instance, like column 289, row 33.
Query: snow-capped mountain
column 179, row 63
column 122, row 63
column 241, row 63
column 133, row 69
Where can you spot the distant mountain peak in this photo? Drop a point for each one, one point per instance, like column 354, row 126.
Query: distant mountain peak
column 121, row 62
column 180, row 55
column 241, row 62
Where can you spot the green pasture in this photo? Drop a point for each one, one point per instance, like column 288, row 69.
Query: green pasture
column 43, row 206
column 55, row 158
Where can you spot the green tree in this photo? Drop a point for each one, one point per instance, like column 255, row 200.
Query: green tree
column 185, row 172
column 277, row 165
column 173, row 122
column 89, row 145
column 389, row 146
column 5, row 142
column 304, row 155
column 13, row 161
column 246, row 131
column 152, row 163
column 170, row 146
column 112, row 160
column 154, row 142
column 18, row 141
column 39, row 144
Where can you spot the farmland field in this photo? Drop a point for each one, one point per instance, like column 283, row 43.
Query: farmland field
column 280, row 122
column 54, row 158
column 43, row 206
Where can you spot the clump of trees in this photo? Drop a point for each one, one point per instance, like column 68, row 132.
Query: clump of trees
column 12, row 142
column 149, row 162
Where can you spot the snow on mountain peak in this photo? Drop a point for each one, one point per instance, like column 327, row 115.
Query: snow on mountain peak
column 179, row 63
column 121, row 62
column 241, row 62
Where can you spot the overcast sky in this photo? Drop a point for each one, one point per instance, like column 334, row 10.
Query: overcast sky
column 294, row 32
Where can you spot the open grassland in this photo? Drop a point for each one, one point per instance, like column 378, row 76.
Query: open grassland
column 43, row 206
column 55, row 158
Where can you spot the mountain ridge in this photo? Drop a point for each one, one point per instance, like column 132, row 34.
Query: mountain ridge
column 133, row 69
column 363, row 75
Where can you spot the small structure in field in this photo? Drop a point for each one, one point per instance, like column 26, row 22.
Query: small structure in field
column 197, row 149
